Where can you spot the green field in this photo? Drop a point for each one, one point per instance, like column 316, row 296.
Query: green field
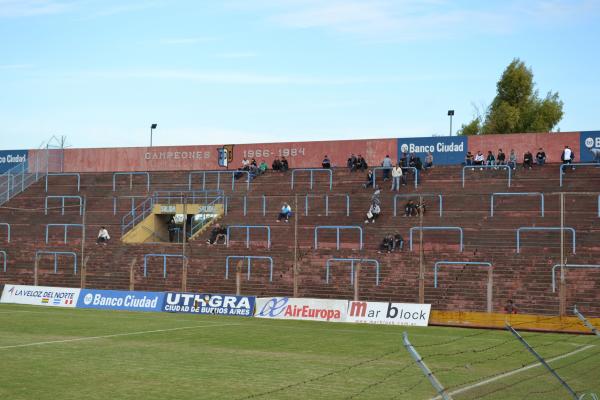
column 52, row 353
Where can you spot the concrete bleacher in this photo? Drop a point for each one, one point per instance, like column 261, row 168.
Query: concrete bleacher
column 524, row 277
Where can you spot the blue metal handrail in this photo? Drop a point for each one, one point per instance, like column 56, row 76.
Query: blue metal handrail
column 75, row 174
column 164, row 256
column 4, row 256
column 132, row 198
column 65, row 226
column 538, row 228
column 327, row 202
column 249, row 258
column 506, row 167
column 563, row 166
column 219, row 199
column 130, row 219
column 218, row 173
column 56, row 254
column 516, row 194
column 475, row 263
column 415, row 171
column 337, row 228
column 595, row 266
column 130, row 174
column 63, row 198
column 411, row 195
column 7, row 225
column 248, row 227
column 436, row 228
column 191, row 196
column 312, row 171
column 352, row 261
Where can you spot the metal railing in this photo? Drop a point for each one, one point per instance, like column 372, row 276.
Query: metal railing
column 4, row 258
column 249, row 258
column 63, row 198
column 474, row 263
column 352, row 261
column 207, row 211
column 218, row 173
column 130, row 174
column 132, row 199
column 65, row 226
column 7, row 225
column 561, row 172
column 412, row 195
column 595, row 266
column 164, row 257
column 414, row 169
column 436, row 228
column 516, row 194
column 506, row 167
column 326, row 196
column 18, row 178
column 56, row 254
column 312, row 171
column 537, row 228
column 248, row 227
column 338, row 228
column 75, row 174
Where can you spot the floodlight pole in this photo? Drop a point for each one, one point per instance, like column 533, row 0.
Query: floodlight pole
column 450, row 114
column 152, row 128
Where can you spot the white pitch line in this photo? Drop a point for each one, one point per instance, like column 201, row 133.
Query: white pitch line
column 114, row 335
column 516, row 371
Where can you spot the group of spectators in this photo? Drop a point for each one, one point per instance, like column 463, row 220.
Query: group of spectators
column 567, row 157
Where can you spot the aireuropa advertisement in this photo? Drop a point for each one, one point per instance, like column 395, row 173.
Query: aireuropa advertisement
column 367, row 312
column 204, row 303
column 121, row 300
column 302, row 309
column 40, row 295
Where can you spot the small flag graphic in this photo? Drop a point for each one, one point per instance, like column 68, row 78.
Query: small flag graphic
column 45, row 300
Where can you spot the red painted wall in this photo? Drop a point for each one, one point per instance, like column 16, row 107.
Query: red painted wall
column 299, row 154
column 552, row 143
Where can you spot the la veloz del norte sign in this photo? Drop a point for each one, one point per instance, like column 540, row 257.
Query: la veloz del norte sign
column 40, row 295
column 445, row 150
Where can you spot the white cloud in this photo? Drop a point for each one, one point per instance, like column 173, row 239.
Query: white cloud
column 29, row 8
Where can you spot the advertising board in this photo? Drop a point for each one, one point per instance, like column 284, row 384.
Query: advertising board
column 587, row 141
column 40, row 295
column 446, row 150
column 12, row 158
column 204, row 303
column 301, row 309
column 388, row 313
column 120, row 300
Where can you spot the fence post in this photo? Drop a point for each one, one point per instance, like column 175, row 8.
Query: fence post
column 295, row 266
column 238, row 277
column 562, row 295
column 132, row 275
column 35, row 270
column 356, row 283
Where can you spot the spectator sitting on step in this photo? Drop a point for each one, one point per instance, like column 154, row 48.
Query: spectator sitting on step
column 469, row 158
column 567, row 158
column 510, row 307
column 369, row 182
column 404, row 160
column 373, row 213
column 387, row 244
column 286, row 213
column 284, row 164
column 263, row 167
column 217, row 233
column 418, row 163
column 410, row 209
column 375, row 197
column 326, row 163
column 512, row 160
column 412, row 161
column 540, row 157
column 245, row 164
column 103, row 236
column 351, row 163
column 528, row 160
column 361, row 163
column 501, row 158
column 420, row 208
column 398, row 242
column 490, row 159
column 428, row 161
column 276, row 166
column 479, row 159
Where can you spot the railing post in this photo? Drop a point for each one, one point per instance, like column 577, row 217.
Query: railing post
column 356, row 282
column 326, row 205
column 337, row 241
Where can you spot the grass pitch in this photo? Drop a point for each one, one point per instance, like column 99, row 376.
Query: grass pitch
column 52, row 353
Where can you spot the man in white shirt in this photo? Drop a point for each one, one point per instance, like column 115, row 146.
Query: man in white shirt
column 103, row 236
column 567, row 158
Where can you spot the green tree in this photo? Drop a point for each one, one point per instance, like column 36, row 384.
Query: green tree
column 517, row 106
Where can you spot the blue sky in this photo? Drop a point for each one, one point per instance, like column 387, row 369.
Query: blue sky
column 232, row 71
